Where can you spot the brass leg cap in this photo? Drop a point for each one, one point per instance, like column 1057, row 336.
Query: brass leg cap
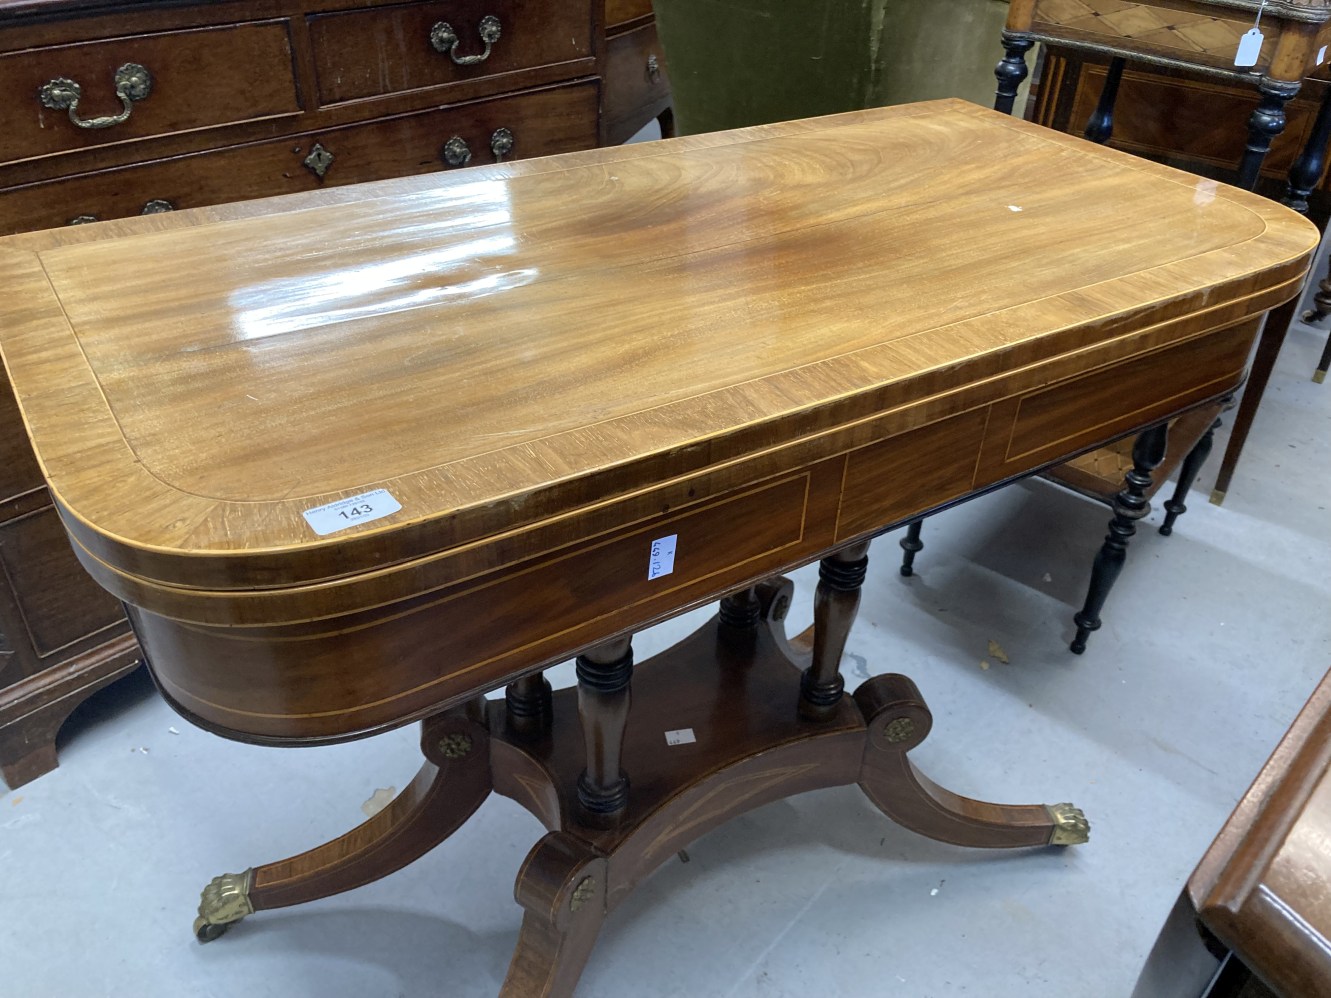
column 1217, row 498
column 225, row 900
column 1319, row 376
column 1070, row 826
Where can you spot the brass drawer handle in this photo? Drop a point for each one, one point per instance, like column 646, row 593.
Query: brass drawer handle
column 653, row 69
column 445, row 40
column 133, row 83
column 457, row 152
column 82, row 219
column 156, row 206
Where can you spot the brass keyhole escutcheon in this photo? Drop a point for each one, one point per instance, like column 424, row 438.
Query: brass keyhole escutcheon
column 318, row 161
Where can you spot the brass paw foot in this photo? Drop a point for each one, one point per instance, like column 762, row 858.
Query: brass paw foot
column 1070, row 825
column 226, row 899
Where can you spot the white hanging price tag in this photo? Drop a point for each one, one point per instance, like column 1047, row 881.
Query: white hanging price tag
column 1321, row 55
column 1250, row 47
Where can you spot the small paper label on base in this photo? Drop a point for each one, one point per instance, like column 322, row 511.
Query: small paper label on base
column 661, row 560
column 348, row 512
column 684, row 736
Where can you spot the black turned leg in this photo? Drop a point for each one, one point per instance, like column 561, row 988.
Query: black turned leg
column 911, row 545
column 1306, row 172
column 529, row 702
column 1267, row 121
column 1322, row 365
column 1100, row 127
column 1130, row 505
column 604, row 673
column 1192, row 464
column 835, row 603
column 1010, row 71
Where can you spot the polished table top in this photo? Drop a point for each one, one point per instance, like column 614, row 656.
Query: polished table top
column 530, row 357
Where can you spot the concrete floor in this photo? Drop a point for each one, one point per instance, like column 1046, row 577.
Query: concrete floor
column 1212, row 641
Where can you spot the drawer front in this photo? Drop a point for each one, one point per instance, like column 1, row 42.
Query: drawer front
column 57, row 602
column 903, row 475
column 386, row 50
column 619, row 12
column 198, row 79
column 300, row 685
column 1072, row 415
column 542, row 122
column 636, row 86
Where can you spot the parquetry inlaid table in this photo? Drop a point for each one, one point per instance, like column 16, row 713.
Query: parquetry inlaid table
column 354, row 458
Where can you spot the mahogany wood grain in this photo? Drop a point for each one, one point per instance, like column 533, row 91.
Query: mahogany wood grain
column 235, row 108
column 562, row 887
column 438, row 327
column 836, row 601
column 452, row 783
column 888, row 481
column 544, row 121
column 899, row 720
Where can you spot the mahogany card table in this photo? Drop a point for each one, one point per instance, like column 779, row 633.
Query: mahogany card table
column 352, row 459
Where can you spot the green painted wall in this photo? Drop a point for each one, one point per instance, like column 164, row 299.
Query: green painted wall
column 744, row 62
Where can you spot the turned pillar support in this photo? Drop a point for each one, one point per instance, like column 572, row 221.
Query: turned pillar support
column 604, row 673
column 835, row 603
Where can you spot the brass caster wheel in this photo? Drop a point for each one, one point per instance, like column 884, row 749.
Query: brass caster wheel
column 206, row 932
column 225, row 900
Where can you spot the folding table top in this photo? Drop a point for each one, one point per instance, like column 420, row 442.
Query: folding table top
column 504, row 344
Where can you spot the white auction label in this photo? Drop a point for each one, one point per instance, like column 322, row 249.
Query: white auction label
column 344, row 513
column 661, row 560
column 1250, row 47
column 684, row 736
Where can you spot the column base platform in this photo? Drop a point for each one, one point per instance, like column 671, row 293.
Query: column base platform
column 734, row 690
